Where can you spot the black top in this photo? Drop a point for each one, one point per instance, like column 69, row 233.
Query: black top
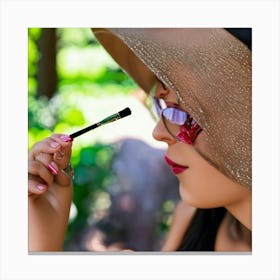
column 202, row 231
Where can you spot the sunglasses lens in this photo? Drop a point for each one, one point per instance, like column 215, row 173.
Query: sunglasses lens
column 174, row 119
column 175, row 115
column 177, row 122
column 171, row 114
column 157, row 107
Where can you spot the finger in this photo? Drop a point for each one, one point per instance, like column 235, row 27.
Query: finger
column 50, row 150
column 35, row 185
column 56, row 169
column 57, row 160
column 63, row 139
column 62, row 158
column 47, row 160
column 47, row 145
column 63, row 179
column 38, row 175
column 63, row 155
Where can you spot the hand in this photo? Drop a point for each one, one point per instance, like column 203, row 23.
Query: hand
column 47, row 159
column 49, row 192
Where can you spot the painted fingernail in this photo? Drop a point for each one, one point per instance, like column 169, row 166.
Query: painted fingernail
column 54, row 144
column 41, row 187
column 66, row 138
column 53, row 168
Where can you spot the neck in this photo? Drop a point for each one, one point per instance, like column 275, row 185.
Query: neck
column 242, row 211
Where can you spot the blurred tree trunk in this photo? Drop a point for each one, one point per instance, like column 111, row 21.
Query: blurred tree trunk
column 47, row 75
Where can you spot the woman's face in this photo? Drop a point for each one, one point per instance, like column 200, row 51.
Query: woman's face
column 201, row 185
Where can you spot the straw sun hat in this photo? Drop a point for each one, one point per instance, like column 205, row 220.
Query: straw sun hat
column 210, row 71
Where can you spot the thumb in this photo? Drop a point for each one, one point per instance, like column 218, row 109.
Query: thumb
column 65, row 176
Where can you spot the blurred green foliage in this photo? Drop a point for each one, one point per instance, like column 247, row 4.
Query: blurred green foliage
column 92, row 177
column 88, row 80
column 84, row 69
column 85, row 72
column 165, row 218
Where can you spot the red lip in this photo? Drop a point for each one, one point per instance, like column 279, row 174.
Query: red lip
column 176, row 168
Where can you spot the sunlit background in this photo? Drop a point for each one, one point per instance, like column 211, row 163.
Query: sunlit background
column 124, row 194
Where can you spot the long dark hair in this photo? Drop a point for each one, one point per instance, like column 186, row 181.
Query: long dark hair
column 202, row 231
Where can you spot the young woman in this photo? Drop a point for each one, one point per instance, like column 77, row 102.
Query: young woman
column 200, row 83
column 218, row 228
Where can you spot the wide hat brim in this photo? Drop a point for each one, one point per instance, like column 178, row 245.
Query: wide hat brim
column 210, row 71
column 125, row 58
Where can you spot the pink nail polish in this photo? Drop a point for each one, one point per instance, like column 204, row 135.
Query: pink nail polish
column 52, row 168
column 66, row 138
column 41, row 188
column 54, row 144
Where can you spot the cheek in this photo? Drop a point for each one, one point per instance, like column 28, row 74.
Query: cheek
column 203, row 186
column 200, row 142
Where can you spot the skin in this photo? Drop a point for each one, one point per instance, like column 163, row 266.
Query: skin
column 181, row 219
column 201, row 185
column 49, row 195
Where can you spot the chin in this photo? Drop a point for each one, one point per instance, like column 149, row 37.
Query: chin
column 197, row 201
column 188, row 198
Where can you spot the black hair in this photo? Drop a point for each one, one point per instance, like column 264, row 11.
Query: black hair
column 242, row 34
column 202, row 231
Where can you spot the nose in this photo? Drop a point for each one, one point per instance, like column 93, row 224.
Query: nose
column 161, row 134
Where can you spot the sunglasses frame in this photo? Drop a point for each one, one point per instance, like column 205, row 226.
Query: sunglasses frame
column 188, row 131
